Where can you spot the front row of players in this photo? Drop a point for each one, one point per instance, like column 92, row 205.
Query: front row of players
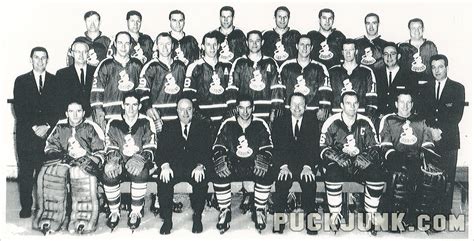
column 244, row 150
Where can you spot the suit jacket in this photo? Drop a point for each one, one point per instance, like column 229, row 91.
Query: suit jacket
column 445, row 113
column 32, row 108
column 387, row 95
column 72, row 89
column 184, row 154
column 300, row 152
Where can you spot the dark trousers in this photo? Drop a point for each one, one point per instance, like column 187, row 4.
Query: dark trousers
column 29, row 165
column 308, row 192
column 449, row 160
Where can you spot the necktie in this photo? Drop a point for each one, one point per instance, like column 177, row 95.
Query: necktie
column 297, row 130
column 82, row 78
column 438, row 91
column 185, row 132
column 389, row 78
column 40, row 84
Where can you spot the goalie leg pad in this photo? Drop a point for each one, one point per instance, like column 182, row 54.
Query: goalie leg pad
column 400, row 190
column 52, row 197
column 85, row 201
column 429, row 189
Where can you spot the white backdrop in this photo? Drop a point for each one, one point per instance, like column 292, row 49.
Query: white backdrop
column 54, row 25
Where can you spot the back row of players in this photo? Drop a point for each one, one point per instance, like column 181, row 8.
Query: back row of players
column 268, row 68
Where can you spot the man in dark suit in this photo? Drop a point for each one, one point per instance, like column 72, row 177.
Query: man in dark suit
column 443, row 110
column 183, row 155
column 296, row 141
column 35, row 105
column 76, row 80
column 391, row 79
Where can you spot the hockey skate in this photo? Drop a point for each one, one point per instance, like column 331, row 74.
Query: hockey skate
column 223, row 222
column 46, row 229
column 247, row 201
column 112, row 220
column 335, row 224
column 134, row 220
column 80, row 229
column 260, row 219
column 370, row 218
column 155, row 206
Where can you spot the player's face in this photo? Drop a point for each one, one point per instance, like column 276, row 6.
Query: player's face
column 372, row 26
column 227, row 20
column 123, row 45
column 404, row 105
column 349, row 105
column 131, row 107
column 75, row 114
column 416, row 30
column 93, row 23
column 390, row 56
column 348, row 51
column 245, row 110
column 297, row 106
column 439, row 69
column 185, row 111
column 255, row 43
column 304, row 47
column 134, row 24
column 326, row 21
column 282, row 19
column 164, row 46
column 79, row 53
column 177, row 22
column 39, row 60
column 210, row 47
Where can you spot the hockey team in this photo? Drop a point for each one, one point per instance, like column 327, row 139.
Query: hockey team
column 269, row 107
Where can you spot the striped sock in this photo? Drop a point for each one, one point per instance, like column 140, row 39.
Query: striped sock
column 138, row 192
column 373, row 191
column 334, row 195
column 261, row 195
column 223, row 195
column 113, row 197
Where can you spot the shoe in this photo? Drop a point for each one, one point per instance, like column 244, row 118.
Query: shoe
column 166, row 227
column 223, row 221
column 155, row 205
column 112, row 220
column 25, row 213
column 197, row 223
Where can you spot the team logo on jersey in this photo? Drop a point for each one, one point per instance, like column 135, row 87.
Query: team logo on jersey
column 139, row 53
column 256, row 82
column 216, row 88
column 74, row 148
column 350, row 146
column 171, row 87
column 280, row 54
column 129, row 148
column 417, row 65
column 301, row 86
column 324, row 52
column 180, row 55
column 243, row 149
column 368, row 58
column 225, row 55
column 347, row 86
column 407, row 136
column 92, row 57
column 124, row 84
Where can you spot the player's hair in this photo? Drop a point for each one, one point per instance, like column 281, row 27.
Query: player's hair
column 416, row 20
column 349, row 41
column 259, row 33
column 90, row 13
column 133, row 94
column 297, row 94
column 244, row 97
column 304, row 36
column 227, row 8
column 176, row 11
column 371, row 15
column 134, row 13
column 391, row 44
column 75, row 101
column 123, row 32
column 284, row 8
column 326, row 10
column 405, row 91
column 38, row 49
column 348, row 93
column 211, row 34
column 439, row 57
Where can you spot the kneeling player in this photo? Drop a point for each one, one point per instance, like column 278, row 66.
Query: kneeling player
column 130, row 144
column 74, row 152
column 349, row 151
column 243, row 152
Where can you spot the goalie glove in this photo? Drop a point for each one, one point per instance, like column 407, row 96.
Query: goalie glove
column 366, row 158
column 89, row 164
column 113, row 166
column 262, row 163
column 340, row 158
column 221, row 164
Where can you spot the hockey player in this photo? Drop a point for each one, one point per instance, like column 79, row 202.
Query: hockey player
column 327, row 41
column 130, row 148
column 370, row 46
column 74, row 154
column 403, row 136
column 256, row 75
column 243, row 151
column 233, row 43
column 353, row 76
column 185, row 47
column 114, row 77
column 349, row 152
column 98, row 44
column 207, row 78
column 279, row 43
column 308, row 77
column 142, row 44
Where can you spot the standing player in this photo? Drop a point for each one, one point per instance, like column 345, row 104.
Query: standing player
column 370, row 46
column 327, row 41
column 233, row 43
column 185, row 47
column 142, row 44
column 280, row 42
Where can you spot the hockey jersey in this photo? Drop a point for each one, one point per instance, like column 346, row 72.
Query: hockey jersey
column 98, row 49
column 418, row 60
column 370, row 52
column 142, row 48
column 186, row 49
column 327, row 51
column 280, row 47
column 232, row 45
